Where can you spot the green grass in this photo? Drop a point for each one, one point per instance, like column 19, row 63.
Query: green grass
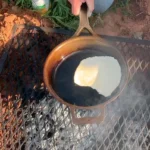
column 61, row 16
column 24, row 3
column 60, row 12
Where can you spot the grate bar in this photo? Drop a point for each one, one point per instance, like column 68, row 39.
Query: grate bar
column 40, row 122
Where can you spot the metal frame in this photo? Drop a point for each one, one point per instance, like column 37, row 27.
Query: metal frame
column 43, row 123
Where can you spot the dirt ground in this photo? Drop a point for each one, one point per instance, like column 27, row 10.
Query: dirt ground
column 136, row 25
column 10, row 15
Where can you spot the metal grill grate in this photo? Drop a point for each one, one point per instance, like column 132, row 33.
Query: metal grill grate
column 31, row 119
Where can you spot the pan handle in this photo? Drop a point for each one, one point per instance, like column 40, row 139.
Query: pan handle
column 84, row 21
column 88, row 120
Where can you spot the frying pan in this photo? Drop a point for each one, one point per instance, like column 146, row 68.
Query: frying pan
column 74, row 44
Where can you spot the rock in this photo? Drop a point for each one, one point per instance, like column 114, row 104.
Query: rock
column 46, row 22
column 5, row 14
column 138, row 35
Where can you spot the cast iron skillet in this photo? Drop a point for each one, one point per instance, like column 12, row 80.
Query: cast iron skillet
column 75, row 44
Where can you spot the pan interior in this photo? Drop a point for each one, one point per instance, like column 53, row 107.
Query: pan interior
column 63, row 80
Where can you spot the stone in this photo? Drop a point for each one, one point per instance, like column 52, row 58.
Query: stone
column 138, row 35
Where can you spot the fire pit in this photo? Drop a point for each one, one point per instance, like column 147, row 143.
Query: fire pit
column 30, row 118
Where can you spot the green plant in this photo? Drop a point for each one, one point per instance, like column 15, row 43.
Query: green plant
column 60, row 14
column 24, row 4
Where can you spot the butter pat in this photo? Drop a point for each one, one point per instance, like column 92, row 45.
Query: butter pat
column 85, row 75
column 102, row 73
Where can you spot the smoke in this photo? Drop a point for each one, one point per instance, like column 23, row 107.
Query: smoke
column 125, row 124
column 50, row 126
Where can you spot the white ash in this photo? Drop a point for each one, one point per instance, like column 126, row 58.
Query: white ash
column 50, row 126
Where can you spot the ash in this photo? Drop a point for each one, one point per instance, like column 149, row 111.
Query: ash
column 49, row 126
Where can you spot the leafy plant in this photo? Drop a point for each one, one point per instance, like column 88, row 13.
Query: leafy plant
column 24, row 3
column 60, row 14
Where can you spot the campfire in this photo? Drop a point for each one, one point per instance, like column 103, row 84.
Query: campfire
column 30, row 118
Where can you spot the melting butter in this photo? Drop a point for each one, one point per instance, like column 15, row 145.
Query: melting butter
column 102, row 73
